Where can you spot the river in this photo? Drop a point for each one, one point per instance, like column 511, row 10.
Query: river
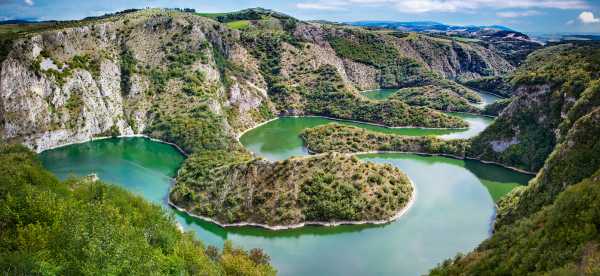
column 453, row 211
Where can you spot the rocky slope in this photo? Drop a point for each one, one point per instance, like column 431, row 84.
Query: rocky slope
column 71, row 81
column 112, row 76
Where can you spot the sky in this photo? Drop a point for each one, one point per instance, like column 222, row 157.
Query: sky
column 545, row 16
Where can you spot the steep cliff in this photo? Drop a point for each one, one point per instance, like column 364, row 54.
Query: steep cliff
column 116, row 75
column 554, row 87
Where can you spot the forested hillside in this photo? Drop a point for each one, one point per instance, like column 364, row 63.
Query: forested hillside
column 550, row 226
column 85, row 227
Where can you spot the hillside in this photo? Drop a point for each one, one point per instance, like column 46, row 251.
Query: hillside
column 550, row 226
column 325, row 188
column 553, row 88
column 57, row 88
column 83, row 226
column 510, row 44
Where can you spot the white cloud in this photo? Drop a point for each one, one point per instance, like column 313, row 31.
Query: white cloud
column 587, row 17
column 29, row 2
column 570, row 22
column 421, row 6
column 515, row 14
column 319, row 6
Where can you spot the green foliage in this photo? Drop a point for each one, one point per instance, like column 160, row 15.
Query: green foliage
column 497, row 85
column 341, row 138
column 551, row 83
column 496, row 108
column 571, row 161
column 327, row 187
column 128, row 67
column 85, row 227
column 239, row 25
column 561, row 239
column 193, row 130
column 435, row 97
column 376, row 50
column 85, row 62
column 326, row 199
column 74, row 106
column 327, row 96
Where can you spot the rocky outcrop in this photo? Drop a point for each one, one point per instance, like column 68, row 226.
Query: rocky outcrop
column 66, row 85
column 43, row 114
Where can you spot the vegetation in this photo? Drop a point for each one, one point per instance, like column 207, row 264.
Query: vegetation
column 372, row 49
column 85, row 227
column 553, row 81
column 549, row 227
column 435, row 97
column 239, row 25
column 496, row 108
column 327, row 188
column 560, row 239
column 496, row 85
column 341, row 138
column 327, row 96
column 571, row 161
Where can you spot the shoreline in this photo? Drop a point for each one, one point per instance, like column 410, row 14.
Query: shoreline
column 92, row 139
column 431, row 154
column 398, row 215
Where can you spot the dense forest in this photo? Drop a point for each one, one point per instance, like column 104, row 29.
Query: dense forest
column 85, row 227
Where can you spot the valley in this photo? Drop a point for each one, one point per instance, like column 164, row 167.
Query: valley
column 255, row 143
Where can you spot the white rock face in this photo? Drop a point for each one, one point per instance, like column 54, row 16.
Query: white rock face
column 43, row 114
column 43, row 110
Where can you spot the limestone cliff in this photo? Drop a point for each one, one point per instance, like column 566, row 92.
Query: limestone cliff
column 141, row 72
column 104, row 77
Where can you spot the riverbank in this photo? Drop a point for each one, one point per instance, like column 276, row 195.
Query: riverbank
column 433, row 154
column 398, row 215
column 184, row 153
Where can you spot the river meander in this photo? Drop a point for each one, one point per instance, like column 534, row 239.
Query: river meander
column 453, row 211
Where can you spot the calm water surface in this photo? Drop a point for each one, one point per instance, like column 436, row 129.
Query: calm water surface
column 452, row 213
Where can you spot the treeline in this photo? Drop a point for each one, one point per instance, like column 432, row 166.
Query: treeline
column 342, row 138
column 85, row 227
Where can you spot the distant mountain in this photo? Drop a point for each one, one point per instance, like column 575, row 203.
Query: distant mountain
column 17, row 21
column 561, row 37
column 427, row 26
column 513, row 45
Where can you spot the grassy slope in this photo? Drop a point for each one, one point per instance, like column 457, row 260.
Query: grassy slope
column 83, row 226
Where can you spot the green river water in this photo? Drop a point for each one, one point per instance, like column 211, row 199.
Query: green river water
column 453, row 211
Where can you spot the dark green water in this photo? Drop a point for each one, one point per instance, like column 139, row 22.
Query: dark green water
column 452, row 213
column 279, row 139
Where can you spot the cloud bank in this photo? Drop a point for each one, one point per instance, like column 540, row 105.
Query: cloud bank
column 422, row 6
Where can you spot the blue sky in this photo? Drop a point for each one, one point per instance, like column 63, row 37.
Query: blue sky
column 524, row 15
